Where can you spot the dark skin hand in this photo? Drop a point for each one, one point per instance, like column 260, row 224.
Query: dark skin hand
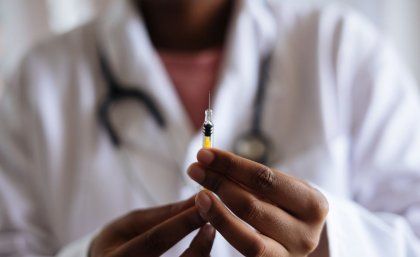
column 152, row 232
column 287, row 214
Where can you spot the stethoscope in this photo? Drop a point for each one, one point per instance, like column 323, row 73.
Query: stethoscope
column 253, row 145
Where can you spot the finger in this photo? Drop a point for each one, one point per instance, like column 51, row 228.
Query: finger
column 266, row 218
column 202, row 243
column 160, row 238
column 139, row 221
column 237, row 233
column 291, row 194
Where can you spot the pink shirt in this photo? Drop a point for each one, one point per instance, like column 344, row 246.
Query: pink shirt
column 194, row 76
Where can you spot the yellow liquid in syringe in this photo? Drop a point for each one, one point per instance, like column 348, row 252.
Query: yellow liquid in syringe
column 207, row 142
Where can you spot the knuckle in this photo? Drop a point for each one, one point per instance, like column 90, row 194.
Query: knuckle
column 229, row 164
column 318, row 207
column 308, row 243
column 153, row 242
column 251, row 209
column 264, row 178
column 214, row 183
column 257, row 249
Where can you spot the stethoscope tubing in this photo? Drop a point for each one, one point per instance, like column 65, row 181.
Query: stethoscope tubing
column 118, row 93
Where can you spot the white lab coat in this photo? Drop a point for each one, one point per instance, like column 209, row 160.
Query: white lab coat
column 340, row 109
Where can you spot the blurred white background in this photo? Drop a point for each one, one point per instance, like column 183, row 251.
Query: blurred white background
column 24, row 22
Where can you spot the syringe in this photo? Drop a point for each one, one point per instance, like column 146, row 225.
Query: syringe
column 208, row 127
column 207, row 130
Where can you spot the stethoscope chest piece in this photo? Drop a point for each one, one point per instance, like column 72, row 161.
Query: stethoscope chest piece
column 253, row 146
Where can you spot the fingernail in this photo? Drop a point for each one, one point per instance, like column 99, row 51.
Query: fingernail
column 197, row 173
column 206, row 157
column 203, row 202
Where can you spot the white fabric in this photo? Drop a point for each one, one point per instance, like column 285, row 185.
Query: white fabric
column 340, row 109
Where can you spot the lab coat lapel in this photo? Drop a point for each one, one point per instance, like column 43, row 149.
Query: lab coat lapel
column 135, row 62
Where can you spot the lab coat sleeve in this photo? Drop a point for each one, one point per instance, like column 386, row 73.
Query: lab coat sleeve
column 25, row 226
column 384, row 129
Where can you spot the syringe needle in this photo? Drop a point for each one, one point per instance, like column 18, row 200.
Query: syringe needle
column 209, row 101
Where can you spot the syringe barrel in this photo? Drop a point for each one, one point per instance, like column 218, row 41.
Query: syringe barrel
column 208, row 116
column 207, row 142
column 208, row 129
